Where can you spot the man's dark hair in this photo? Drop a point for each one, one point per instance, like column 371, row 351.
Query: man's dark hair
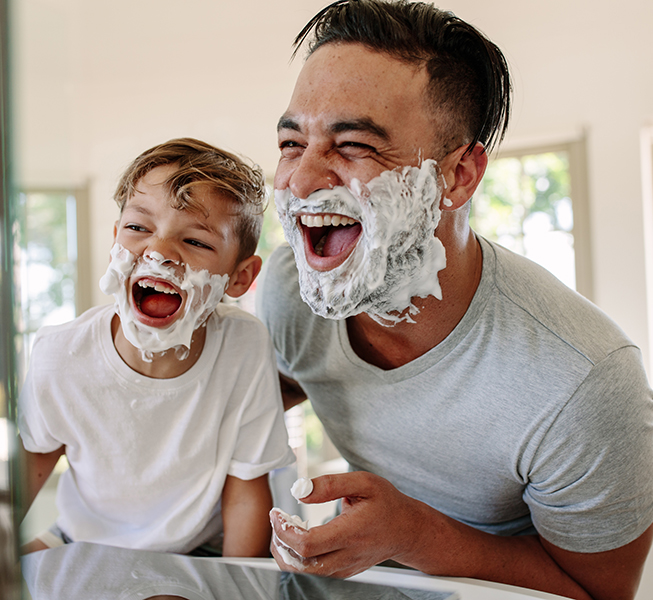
column 469, row 80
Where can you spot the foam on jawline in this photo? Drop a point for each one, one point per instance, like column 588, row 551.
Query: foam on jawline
column 203, row 294
column 397, row 257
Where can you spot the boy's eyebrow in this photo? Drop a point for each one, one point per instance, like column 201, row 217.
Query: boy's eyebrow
column 203, row 226
column 200, row 224
column 363, row 124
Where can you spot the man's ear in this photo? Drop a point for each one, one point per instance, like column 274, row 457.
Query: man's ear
column 462, row 172
column 243, row 276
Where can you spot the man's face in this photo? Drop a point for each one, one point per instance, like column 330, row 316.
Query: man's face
column 357, row 114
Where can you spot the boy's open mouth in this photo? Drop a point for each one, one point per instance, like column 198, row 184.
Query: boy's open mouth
column 155, row 298
column 328, row 239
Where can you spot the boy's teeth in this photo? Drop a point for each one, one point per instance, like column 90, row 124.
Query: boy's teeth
column 321, row 220
column 158, row 286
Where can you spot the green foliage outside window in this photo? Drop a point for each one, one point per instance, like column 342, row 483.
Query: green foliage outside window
column 524, row 204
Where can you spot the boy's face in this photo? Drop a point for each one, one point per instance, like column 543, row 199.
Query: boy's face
column 201, row 240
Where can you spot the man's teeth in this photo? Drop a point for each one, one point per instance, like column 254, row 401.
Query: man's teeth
column 322, row 220
column 158, row 286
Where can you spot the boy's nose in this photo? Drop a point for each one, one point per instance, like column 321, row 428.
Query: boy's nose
column 163, row 251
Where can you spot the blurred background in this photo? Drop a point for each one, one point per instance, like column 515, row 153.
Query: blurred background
column 87, row 86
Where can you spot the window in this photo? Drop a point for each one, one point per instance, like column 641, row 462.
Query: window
column 52, row 270
column 533, row 203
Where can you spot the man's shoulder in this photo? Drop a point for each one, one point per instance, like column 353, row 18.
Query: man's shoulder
column 551, row 305
column 278, row 291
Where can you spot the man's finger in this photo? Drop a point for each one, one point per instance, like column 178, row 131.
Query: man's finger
column 315, row 542
column 357, row 484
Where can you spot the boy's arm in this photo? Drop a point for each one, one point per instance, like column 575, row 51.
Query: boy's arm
column 38, row 468
column 291, row 392
column 246, row 509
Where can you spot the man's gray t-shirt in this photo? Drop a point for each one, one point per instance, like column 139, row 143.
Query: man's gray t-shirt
column 534, row 412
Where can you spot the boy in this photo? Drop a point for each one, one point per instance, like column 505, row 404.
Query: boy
column 167, row 407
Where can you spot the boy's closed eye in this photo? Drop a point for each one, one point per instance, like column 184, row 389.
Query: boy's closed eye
column 135, row 227
column 199, row 244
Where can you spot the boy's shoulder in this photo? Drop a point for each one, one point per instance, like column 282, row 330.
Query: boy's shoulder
column 230, row 316
column 77, row 331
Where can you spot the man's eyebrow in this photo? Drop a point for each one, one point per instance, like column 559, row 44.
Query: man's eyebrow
column 288, row 123
column 364, row 125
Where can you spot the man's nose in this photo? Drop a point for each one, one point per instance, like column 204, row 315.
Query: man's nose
column 311, row 173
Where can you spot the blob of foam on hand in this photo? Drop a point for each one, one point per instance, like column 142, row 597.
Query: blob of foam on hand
column 287, row 554
column 301, row 488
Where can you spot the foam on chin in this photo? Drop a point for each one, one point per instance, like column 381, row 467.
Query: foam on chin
column 203, row 294
column 397, row 256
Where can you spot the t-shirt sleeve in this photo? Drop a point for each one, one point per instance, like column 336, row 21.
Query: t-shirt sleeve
column 34, row 413
column 262, row 443
column 282, row 311
column 591, row 477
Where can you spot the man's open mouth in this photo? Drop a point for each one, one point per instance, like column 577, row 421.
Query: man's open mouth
column 328, row 239
column 155, row 298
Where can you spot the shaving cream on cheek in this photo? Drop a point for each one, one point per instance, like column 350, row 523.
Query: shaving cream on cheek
column 397, row 256
column 203, row 294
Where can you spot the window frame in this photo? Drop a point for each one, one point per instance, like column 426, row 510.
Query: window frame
column 576, row 149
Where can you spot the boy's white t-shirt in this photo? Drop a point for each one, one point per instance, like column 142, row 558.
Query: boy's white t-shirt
column 149, row 457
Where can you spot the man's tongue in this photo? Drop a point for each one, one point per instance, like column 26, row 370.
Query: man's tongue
column 339, row 239
column 159, row 305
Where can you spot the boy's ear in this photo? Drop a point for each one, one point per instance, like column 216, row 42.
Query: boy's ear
column 243, row 276
column 115, row 231
column 462, row 172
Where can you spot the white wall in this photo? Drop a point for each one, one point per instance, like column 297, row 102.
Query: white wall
column 98, row 82
column 587, row 65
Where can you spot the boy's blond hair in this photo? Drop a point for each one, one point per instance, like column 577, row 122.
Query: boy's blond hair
column 200, row 163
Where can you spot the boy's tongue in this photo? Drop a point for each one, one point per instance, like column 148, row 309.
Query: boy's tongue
column 159, row 305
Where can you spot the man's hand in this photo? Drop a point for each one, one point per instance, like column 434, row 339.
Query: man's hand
column 376, row 523
column 379, row 523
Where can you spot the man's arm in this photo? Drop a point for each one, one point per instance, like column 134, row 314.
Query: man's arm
column 245, row 513
column 379, row 523
column 291, row 392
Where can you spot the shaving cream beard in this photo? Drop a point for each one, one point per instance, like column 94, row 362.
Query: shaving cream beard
column 397, row 256
column 203, row 294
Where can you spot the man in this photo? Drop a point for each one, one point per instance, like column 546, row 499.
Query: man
column 498, row 426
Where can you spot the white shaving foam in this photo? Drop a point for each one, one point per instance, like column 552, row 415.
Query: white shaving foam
column 287, row 554
column 397, row 257
column 301, row 488
column 203, row 294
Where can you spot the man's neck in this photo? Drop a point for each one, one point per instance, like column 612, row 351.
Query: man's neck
column 392, row 347
column 164, row 365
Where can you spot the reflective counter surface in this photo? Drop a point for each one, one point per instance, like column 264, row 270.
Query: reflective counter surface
column 81, row 571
